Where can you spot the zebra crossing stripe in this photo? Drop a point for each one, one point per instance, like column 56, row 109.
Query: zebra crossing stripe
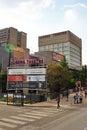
column 7, row 124
column 13, row 121
column 41, row 112
column 49, row 110
column 31, row 116
column 37, row 114
column 21, row 118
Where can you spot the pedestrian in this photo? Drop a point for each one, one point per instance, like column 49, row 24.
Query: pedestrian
column 76, row 98
column 67, row 95
column 58, row 101
column 80, row 98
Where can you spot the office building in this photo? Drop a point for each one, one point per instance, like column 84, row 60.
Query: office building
column 65, row 43
column 13, row 36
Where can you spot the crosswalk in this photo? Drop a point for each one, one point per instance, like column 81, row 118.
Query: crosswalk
column 13, row 121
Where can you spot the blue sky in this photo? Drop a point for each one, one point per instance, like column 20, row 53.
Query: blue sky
column 40, row 17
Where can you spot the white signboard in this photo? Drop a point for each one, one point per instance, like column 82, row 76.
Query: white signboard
column 26, row 71
column 36, row 78
column 36, row 71
column 16, row 71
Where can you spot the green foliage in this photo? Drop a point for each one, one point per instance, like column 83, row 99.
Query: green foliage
column 3, row 99
column 58, row 77
column 64, row 63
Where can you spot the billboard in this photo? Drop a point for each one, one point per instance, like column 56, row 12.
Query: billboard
column 16, row 78
column 16, row 71
column 31, row 78
column 36, row 71
column 36, row 78
column 31, row 85
column 57, row 57
column 26, row 71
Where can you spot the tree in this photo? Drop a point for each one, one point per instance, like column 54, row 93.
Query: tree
column 64, row 62
column 57, row 77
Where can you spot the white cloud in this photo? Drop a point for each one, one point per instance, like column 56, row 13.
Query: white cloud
column 76, row 5
column 47, row 3
column 70, row 16
column 28, row 11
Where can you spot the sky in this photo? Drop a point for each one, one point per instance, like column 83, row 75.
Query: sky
column 41, row 17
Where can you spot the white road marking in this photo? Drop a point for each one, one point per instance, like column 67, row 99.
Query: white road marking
column 13, row 121
column 37, row 114
column 7, row 125
column 41, row 112
column 30, row 116
column 49, row 111
column 22, row 118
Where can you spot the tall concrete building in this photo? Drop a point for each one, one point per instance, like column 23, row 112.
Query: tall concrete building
column 18, row 40
column 13, row 36
column 65, row 43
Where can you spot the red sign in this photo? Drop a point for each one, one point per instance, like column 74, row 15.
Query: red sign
column 57, row 57
column 16, row 78
column 26, row 61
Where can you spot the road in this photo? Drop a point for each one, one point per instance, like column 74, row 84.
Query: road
column 76, row 120
column 18, row 118
column 42, row 118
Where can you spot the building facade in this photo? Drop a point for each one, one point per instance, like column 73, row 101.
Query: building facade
column 4, row 58
column 49, row 57
column 13, row 36
column 65, row 43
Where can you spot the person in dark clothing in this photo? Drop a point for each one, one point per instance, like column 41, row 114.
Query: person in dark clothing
column 80, row 98
column 58, row 101
column 76, row 98
column 67, row 95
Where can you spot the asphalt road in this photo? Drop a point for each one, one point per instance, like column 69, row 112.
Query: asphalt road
column 76, row 120
column 26, row 118
column 42, row 118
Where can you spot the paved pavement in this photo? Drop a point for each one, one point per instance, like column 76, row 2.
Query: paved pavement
column 63, row 102
column 52, row 103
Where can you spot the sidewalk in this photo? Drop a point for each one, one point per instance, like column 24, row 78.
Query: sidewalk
column 52, row 103
column 63, row 103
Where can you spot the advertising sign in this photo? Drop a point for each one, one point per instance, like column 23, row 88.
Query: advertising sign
column 16, row 78
column 31, row 85
column 26, row 71
column 16, row 71
column 31, row 78
column 36, row 71
column 57, row 57
column 36, row 78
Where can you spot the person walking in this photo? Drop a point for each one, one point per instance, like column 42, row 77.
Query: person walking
column 76, row 98
column 58, row 101
column 81, row 98
column 67, row 95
